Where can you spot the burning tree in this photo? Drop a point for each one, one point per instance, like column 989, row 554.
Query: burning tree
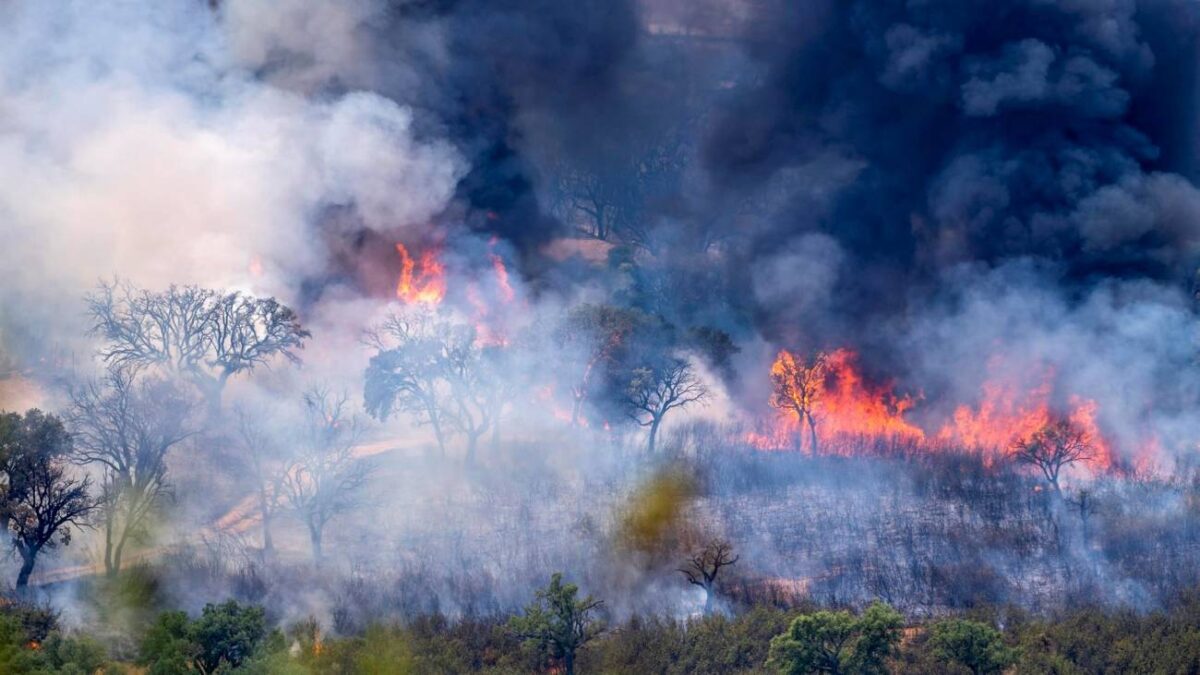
column 127, row 426
column 199, row 334
column 1059, row 443
column 653, row 391
column 797, row 387
column 41, row 502
column 436, row 371
column 702, row 568
column 324, row 479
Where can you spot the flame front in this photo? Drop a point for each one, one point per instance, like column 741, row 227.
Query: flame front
column 422, row 282
column 846, row 407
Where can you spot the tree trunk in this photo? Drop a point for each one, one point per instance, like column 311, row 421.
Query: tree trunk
column 653, row 434
column 109, row 570
column 472, row 442
column 315, row 534
column 268, row 544
column 812, row 432
column 437, row 432
column 569, row 662
column 708, row 597
column 118, row 551
column 28, row 558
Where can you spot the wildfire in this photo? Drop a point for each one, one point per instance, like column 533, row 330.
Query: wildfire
column 423, row 281
column 826, row 398
column 829, row 396
column 853, row 407
column 1008, row 414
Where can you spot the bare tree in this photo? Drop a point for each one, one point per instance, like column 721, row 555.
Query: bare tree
column 1059, row 443
column 703, row 567
column 265, row 466
column 656, row 390
column 325, row 478
column 126, row 426
column 797, row 387
column 200, row 334
column 41, row 501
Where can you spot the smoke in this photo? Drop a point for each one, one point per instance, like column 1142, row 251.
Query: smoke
column 136, row 145
column 967, row 193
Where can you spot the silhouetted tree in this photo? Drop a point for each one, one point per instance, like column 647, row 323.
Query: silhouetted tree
column 324, row 479
column 41, row 502
column 702, row 568
column 557, row 622
column 406, row 373
column 438, row 371
column 1058, row 444
column 598, row 333
column 797, row 387
column 653, row 391
column 200, row 334
column 126, row 426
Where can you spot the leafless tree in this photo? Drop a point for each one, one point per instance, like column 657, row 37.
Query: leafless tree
column 703, row 567
column 654, row 391
column 127, row 425
column 265, row 465
column 200, row 334
column 797, row 387
column 325, row 478
column 41, row 501
column 1060, row 443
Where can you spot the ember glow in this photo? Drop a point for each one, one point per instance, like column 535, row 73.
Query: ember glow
column 421, row 282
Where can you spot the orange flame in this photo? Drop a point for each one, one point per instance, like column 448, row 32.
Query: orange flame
column 850, row 406
column 845, row 405
column 506, row 289
column 420, row 284
column 842, row 402
column 1007, row 415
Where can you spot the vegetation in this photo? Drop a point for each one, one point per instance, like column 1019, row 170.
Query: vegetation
column 557, row 624
column 838, row 642
column 237, row 638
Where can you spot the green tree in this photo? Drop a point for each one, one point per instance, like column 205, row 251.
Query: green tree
column 222, row 638
column 837, row 642
column 976, row 646
column 40, row 502
column 557, row 623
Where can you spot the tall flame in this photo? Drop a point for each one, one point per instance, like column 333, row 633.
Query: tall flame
column 423, row 282
column 842, row 403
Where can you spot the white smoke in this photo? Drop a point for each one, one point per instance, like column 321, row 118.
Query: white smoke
column 134, row 143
